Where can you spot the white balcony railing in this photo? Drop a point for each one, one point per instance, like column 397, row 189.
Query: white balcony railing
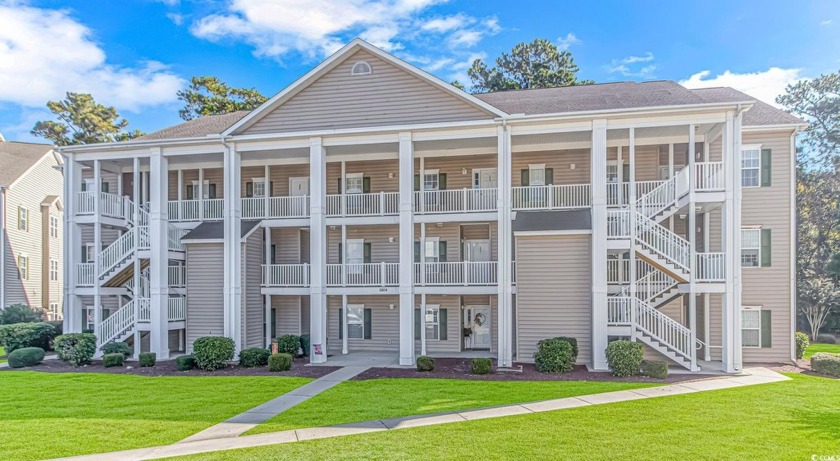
column 456, row 201
column 144, row 309
column 618, row 224
column 285, row 275
column 709, row 176
column 85, row 202
column 619, row 194
column 288, row 207
column 466, row 273
column 177, row 276
column 710, row 267
column 177, row 309
column 372, row 204
column 618, row 271
column 253, row 207
column 174, row 235
column 551, row 197
column 85, row 274
column 363, row 274
column 618, row 310
column 214, row 208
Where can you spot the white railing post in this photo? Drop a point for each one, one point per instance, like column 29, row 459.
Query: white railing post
column 382, row 273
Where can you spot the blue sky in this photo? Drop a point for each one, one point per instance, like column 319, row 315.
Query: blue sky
column 135, row 54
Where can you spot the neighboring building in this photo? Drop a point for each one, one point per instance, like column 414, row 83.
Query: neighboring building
column 30, row 215
column 380, row 209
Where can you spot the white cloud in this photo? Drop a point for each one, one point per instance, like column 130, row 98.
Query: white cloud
column 564, row 43
column 764, row 85
column 176, row 18
column 634, row 66
column 827, row 22
column 447, row 23
column 45, row 53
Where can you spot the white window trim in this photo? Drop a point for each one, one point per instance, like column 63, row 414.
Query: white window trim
column 53, row 226
column 355, row 176
column 751, row 309
column 25, row 258
column 354, row 71
column 90, row 258
column 254, row 182
column 434, row 307
column 746, row 147
column 204, row 192
column 757, row 229
column 361, row 307
column 23, row 218
column 436, row 174
column 53, row 271
column 536, row 167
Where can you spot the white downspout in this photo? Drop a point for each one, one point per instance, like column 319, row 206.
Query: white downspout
column 3, row 190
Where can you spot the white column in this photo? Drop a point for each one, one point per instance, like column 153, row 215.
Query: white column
column 135, row 182
column 72, row 245
column 504, row 292
column 233, row 244
column 598, row 180
column 621, row 178
column 267, row 236
column 406, row 290
column 707, row 352
column 344, row 348
column 632, row 201
column 179, row 206
column 318, row 251
column 159, row 254
column 423, row 324
column 200, row 191
column 267, row 188
column 692, row 240
column 97, row 245
column 731, row 226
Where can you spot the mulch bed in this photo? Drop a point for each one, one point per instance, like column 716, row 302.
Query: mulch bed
column 300, row 368
column 802, row 366
column 460, row 369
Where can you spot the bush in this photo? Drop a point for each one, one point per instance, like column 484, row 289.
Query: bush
column 19, row 335
column 573, row 342
column 185, row 363
column 425, row 363
column 26, row 357
column 554, row 355
column 59, row 327
column 625, row 357
column 20, row 313
column 117, row 348
column 654, row 368
column 213, row 352
column 288, row 344
column 75, row 348
column 148, row 359
column 304, row 344
column 114, row 359
column 254, row 357
column 802, row 343
column 280, row 362
column 821, row 362
column 826, row 339
column 481, row 366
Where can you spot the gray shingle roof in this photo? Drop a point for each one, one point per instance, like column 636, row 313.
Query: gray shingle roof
column 17, row 157
column 215, row 230
column 552, row 220
column 760, row 114
column 200, row 127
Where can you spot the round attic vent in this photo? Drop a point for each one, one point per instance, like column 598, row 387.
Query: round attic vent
column 361, row 68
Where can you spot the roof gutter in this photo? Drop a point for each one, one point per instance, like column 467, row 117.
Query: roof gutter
column 641, row 110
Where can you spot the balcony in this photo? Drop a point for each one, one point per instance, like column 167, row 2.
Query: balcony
column 363, row 275
column 459, row 273
column 370, row 204
column 85, row 275
column 710, row 267
column 709, row 176
column 176, row 309
column 456, row 201
column 110, row 205
column 550, row 197
column 285, row 275
column 197, row 210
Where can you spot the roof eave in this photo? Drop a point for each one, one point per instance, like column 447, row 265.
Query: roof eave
column 743, row 105
column 137, row 143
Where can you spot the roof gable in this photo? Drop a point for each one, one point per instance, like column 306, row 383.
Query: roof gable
column 394, row 93
column 17, row 158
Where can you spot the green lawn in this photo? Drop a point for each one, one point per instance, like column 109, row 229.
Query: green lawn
column 354, row 401
column 786, row 420
column 814, row 348
column 48, row 415
column 2, row 353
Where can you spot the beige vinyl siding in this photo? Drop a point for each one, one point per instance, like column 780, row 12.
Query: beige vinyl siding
column 452, row 304
column 385, row 324
column 769, row 207
column 29, row 191
column 561, row 161
column 449, row 232
column 280, row 175
column 453, row 168
column 288, row 315
column 388, row 96
column 205, row 282
column 288, row 245
column 378, row 171
column 212, row 175
column 381, row 250
column 253, row 307
column 554, row 292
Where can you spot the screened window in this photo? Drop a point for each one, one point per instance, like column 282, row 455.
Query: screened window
column 53, row 270
column 355, row 183
column 205, row 190
column 356, row 321
column 751, row 166
column 23, row 219
column 432, row 322
column 751, row 327
column 23, row 267
column 750, row 247
column 53, row 227
column 536, row 175
column 259, row 187
column 431, row 180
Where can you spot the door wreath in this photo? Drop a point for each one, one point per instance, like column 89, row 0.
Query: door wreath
column 479, row 319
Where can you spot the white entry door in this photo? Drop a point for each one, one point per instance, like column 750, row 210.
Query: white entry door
column 477, row 319
column 299, row 187
column 484, row 178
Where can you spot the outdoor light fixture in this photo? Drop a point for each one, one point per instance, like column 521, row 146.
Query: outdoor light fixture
column 463, row 171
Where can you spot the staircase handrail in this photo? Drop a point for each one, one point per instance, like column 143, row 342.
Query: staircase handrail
column 116, row 324
column 661, row 240
column 663, row 329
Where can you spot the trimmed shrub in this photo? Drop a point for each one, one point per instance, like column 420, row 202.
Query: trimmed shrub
column 554, row 355
column 288, row 344
column 19, row 335
column 280, row 362
column 114, row 359
column 185, row 363
column 826, row 339
column 654, row 368
column 573, row 342
column 117, row 348
column 425, row 363
column 254, row 357
column 213, row 352
column 481, row 366
column 20, row 313
column 802, row 343
column 304, row 344
column 826, row 363
column 75, row 348
column 625, row 357
column 26, row 357
column 148, row 359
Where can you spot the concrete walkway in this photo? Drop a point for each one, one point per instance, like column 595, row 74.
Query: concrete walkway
column 750, row 377
column 241, row 423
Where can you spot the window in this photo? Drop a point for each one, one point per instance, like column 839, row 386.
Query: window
column 54, row 313
column 356, row 321
column 53, row 270
column 53, row 227
column 751, row 166
column 536, row 175
column 751, row 327
column 361, row 68
column 192, row 192
column 258, row 188
column 23, row 267
column 355, row 183
column 355, row 256
column 432, row 322
column 750, row 247
column 23, row 219
column 431, row 180
column 89, row 253
column 664, row 172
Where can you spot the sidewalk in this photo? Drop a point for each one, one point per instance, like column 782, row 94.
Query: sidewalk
column 750, row 377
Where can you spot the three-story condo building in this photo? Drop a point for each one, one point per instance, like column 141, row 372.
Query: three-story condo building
column 379, row 209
